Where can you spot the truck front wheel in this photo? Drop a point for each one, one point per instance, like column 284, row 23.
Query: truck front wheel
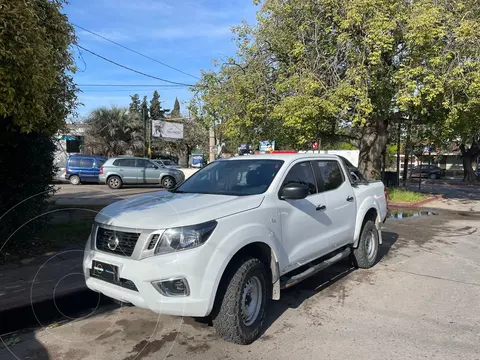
column 365, row 255
column 241, row 304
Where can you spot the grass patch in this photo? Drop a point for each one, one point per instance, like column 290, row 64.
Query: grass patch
column 54, row 237
column 405, row 196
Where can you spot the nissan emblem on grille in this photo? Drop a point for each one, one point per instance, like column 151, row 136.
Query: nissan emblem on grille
column 118, row 242
column 113, row 242
column 98, row 269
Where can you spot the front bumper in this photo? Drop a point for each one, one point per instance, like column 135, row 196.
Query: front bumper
column 195, row 265
column 179, row 178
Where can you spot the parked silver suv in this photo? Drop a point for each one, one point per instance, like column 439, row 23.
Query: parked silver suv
column 120, row 171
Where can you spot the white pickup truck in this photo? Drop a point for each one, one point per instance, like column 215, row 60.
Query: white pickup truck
column 229, row 238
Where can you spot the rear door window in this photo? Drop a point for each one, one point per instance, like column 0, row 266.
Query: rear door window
column 330, row 174
column 86, row 163
column 142, row 163
column 125, row 162
column 75, row 162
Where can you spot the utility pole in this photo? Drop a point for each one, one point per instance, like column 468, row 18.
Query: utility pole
column 408, row 147
column 144, row 118
column 398, row 150
column 212, row 143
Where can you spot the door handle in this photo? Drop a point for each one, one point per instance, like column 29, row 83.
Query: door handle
column 350, row 199
column 321, row 207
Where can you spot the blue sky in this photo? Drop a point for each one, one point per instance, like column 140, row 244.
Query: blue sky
column 185, row 34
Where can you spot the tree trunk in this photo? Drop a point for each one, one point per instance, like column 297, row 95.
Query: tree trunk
column 468, row 173
column 468, row 156
column 372, row 144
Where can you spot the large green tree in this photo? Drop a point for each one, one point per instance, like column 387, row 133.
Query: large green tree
column 112, row 131
column 156, row 110
column 176, row 108
column 37, row 94
column 135, row 106
column 347, row 70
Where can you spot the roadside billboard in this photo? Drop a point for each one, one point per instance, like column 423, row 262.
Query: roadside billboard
column 197, row 160
column 167, row 130
column 266, row 146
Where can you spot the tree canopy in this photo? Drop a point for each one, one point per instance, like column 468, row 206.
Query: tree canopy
column 348, row 70
column 156, row 110
column 176, row 108
column 37, row 92
column 113, row 131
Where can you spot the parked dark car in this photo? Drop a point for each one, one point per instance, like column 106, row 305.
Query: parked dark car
column 427, row 171
column 83, row 168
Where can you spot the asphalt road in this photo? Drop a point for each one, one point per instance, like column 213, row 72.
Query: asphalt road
column 94, row 194
column 421, row 301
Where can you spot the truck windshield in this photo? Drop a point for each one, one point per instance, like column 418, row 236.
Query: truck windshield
column 232, row 177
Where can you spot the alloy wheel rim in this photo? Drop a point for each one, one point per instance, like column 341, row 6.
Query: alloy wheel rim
column 168, row 182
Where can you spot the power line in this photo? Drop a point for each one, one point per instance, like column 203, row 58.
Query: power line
column 117, row 90
column 134, row 51
column 131, row 85
column 129, row 68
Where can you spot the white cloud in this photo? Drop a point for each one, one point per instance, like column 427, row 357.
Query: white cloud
column 140, row 6
column 112, row 35
column 192, row 31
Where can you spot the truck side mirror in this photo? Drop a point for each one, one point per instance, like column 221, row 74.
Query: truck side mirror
column 294, row 191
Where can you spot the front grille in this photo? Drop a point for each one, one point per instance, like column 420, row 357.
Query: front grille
column 125, row 245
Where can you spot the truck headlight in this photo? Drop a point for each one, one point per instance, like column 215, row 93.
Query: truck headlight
column 183, row 238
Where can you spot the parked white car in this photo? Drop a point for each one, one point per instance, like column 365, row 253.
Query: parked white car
column 234, row 234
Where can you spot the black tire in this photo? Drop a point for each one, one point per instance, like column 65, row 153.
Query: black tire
column 75, row 180
column 168, row 182
column 364, row 256
column 227, row 315
column 433, row 176
column 114, row 182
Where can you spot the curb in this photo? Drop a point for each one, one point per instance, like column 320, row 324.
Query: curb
column 451, row 183
column 42, row 313
column 412, row 205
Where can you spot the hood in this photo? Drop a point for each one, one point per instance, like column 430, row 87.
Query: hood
column 163, row 209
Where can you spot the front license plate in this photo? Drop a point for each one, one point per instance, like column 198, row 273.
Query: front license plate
column 104, row 271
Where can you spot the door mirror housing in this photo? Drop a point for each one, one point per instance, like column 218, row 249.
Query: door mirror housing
column 294, row 191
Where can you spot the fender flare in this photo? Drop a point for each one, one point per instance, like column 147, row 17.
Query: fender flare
column 363, row 210
column 274, row 267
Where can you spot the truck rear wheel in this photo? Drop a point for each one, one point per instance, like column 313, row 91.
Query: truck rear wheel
column 365, row 255
column 241, row 305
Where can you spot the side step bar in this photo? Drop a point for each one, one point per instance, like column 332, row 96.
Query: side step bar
column 286, row 282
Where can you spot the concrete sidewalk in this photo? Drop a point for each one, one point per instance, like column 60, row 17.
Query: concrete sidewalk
column 43, row 279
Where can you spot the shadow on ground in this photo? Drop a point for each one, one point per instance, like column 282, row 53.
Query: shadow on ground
column 33, row 351
column 324, row 281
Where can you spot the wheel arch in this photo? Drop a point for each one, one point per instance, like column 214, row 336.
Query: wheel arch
column 369, row 213
column 114, row 174
column 260, row 250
